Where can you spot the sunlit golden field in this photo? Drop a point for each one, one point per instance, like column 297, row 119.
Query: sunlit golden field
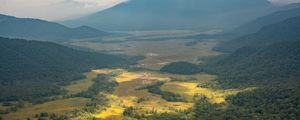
column 58, row 107
column 127, row 93
column 190, row 89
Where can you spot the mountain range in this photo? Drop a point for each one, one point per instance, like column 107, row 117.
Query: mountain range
column 255, row 25
column 174, row 14
column 35, row 29
column 287, row 30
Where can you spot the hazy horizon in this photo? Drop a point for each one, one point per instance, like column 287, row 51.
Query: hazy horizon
column 57, row 10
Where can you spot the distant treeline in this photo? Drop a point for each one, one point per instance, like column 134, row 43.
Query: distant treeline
column 185, row 68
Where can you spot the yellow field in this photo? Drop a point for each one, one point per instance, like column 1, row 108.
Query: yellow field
column 189, row 90
column 127, row 94
column 83, row 85
column 127, row 76
column 58, row 107
column 112, row 111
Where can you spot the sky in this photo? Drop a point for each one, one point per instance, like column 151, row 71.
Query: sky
column 54, row 9
column 284, row 1
column 66, row 9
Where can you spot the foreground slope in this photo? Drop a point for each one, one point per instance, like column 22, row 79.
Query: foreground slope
column 31, row 68
column 26, row 28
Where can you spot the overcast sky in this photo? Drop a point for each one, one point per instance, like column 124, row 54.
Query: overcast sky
column 65, row 9
column 54, row 9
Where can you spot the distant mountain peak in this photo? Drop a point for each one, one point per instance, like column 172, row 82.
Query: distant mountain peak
column 173, row 14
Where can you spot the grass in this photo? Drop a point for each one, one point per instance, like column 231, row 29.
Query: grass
column 189, row 90
column 83, row 85
column 127, row 76
column 58, row 107
column 128, row 94
column 111, row 112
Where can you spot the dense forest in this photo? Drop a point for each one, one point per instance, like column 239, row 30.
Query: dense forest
column 185, row 68
column 268, row 60
column 270, row 103
column 52, row 65
column 277, row 63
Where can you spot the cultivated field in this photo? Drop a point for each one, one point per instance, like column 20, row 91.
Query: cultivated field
column 128, row 93
column 58, row 107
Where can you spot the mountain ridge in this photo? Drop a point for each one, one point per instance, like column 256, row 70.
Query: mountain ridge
column 171, row 14
column 28, row 28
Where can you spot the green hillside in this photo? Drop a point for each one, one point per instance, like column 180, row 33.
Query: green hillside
column 28, row 66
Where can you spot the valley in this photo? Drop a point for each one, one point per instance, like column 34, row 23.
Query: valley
column 158, row 47
column 150, row 60
column 133, row 90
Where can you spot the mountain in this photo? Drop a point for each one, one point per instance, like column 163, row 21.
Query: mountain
column 25, row 28
column 174, row 14
column 267, row 65
column 273, row 18
column 28, row 66
column 287, row 30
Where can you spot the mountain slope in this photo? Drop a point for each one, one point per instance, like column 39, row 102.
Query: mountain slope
column 36, row 29
column 288, row 30
column 173, row 14
column 26, row 66
column 267, row 65
column 273, row 18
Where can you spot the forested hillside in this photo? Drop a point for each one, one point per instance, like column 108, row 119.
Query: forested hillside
column 277, row 63
column 270, row 103
column 279, row 16
column 31, row 68
column 288, row 30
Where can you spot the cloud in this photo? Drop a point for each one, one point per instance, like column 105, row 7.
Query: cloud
column 54, row 9
column 284, row 1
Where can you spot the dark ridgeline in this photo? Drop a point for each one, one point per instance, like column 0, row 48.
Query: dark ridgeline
column 257, row 24
column 35, row 29
column 286, row 30
column 32, row 69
